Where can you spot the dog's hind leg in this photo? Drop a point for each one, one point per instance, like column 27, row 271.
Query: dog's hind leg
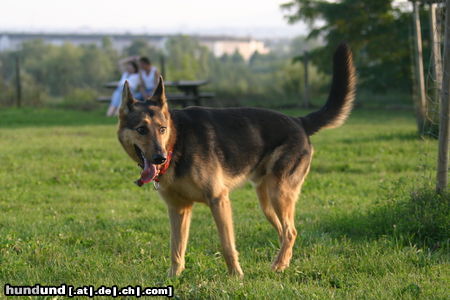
column 266, row 206
column 283, row 193
column 180, row 219
column 221, row 209
column 284, row 206
column 283, row 190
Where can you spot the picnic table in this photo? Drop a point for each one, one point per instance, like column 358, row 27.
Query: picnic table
column 188, row 91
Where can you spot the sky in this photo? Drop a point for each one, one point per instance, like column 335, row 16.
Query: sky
column 235, row 17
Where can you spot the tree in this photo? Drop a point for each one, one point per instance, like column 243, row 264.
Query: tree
column 187, row 59
column 301, row 44
column 377, row 31
column 237, row 57
column 141, row 47
column 77, row 71
column 96, row 66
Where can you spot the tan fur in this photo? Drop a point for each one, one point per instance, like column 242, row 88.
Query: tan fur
column 277, row 198
column 277, row 201
column 276, row 158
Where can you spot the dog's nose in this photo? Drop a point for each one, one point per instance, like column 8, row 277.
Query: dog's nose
column 158, row 159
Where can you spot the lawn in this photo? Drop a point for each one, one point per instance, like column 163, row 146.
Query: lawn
column 70, row 213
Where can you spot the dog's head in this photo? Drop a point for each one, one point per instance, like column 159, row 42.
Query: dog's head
column 145, row 130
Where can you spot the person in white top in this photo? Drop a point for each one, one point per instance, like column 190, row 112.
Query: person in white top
column 130, row 73
column 148, row 77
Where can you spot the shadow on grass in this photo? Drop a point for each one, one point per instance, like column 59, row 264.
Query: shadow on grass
column 421, row 218
column 410, row 136
column 38, row 117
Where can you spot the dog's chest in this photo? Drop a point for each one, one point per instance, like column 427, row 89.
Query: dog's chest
column 182, row 191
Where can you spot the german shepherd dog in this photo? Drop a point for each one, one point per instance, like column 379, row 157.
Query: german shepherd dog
column 200, row 154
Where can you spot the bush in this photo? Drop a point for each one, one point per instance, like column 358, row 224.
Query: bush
column 420, row 217
column 7, row 94
column 80, row 99
column 424, row 217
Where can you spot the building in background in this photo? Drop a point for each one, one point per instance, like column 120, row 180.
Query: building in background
column 228, row 45
column 218, row 45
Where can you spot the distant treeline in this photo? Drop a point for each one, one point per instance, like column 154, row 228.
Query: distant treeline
column 379, row 32
column 70, row 73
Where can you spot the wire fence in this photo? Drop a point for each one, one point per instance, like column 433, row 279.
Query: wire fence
column 432, row 118
column 434, row 71
column 437, row 125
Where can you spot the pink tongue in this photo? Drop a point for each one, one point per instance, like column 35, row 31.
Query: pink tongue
column 149, row 172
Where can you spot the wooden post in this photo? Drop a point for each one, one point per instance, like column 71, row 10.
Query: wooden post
column 18, row 82
column 421, row 105
column 163, row 66
column 306, row 80
column 435, row 52
column 444, row 124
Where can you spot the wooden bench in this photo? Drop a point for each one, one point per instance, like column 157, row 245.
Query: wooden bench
column 190, row 92
column 186, row 100
column 182, row 99
column 103, row 99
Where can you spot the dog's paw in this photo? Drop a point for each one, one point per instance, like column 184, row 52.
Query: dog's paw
column 237, row 273
column 175, row 271
column 279, row 267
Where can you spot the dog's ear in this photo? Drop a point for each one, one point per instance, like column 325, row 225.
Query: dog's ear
column 159, row 95
column 127, row 100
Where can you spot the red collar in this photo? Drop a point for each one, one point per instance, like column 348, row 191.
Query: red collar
column 164, row 167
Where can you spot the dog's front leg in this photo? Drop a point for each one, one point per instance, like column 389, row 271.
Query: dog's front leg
column 221, row 210
column 180, row 219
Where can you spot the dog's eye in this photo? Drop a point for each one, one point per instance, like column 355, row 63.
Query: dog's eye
column 162, row 130
column 142, row 130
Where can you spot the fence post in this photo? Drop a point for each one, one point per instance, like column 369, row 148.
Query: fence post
column 306, row 80
column 444, row 124
column 421, row 105
column 162, row 61
column 18, row 82
column 435, row 51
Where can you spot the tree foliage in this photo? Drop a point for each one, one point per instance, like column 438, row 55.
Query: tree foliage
column 142, row 48
column 59, row 69
column 378, row 33
column 70, row 72
column 187, row 59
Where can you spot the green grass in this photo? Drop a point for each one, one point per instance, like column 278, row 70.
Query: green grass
column 368, row 226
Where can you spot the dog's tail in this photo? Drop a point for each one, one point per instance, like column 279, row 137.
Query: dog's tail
column 340, row 100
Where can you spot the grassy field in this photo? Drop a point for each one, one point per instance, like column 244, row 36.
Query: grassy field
column 368, row 228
